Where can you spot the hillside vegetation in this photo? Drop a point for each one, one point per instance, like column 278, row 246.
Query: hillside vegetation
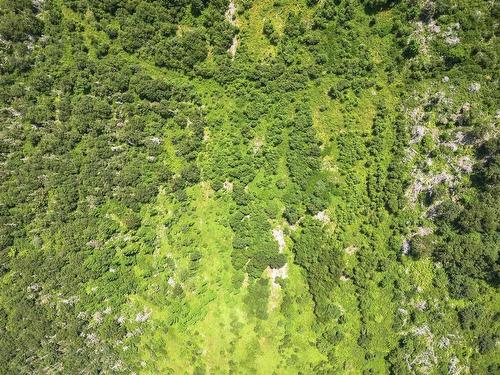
column 249, row 187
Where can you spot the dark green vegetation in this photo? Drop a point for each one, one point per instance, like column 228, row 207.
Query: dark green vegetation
column 270, row 187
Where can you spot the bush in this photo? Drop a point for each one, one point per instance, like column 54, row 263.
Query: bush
column 182, row 52
column 421, row 246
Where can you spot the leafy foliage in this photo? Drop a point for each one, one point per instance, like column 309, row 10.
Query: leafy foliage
column 284, row 187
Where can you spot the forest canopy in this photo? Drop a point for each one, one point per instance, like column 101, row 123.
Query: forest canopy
column 249, row 187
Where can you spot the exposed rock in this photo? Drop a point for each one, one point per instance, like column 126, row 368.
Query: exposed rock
column 38, row 4
column 228, row 186
column 463, row 139
column 423, row 331
column 322, row 216
column 434, row 27
column 234, row 46
column 465, row 164
column 415, row 190
column 143, row 316
column 454, row 368
column 279, row 236
column 344, row 278
column 231, row 13
column 118, row 366
column 441, row 177
column 425, row 360
column 328, row 164
column 34, row 287
column 417, row 115
column 420, row 305
column 423, row 231
column 351, row 249
column 421, row 36
column 278, row 272
column 427, row 183
column 452, row 40
column 474, row 87
column 92, row 201
column 405, row 247
column 257, row 144
column 13, row 112
column 94, row 244
column 452, row 145
column 444, row 342
column 244, row 284
column 273, row 274
column 97, row 317
column 70, row 301
column 418, row 134
column 91, row 339
column 231, row 17
column 410, row 154
column 107, row 310
column 450, row 34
